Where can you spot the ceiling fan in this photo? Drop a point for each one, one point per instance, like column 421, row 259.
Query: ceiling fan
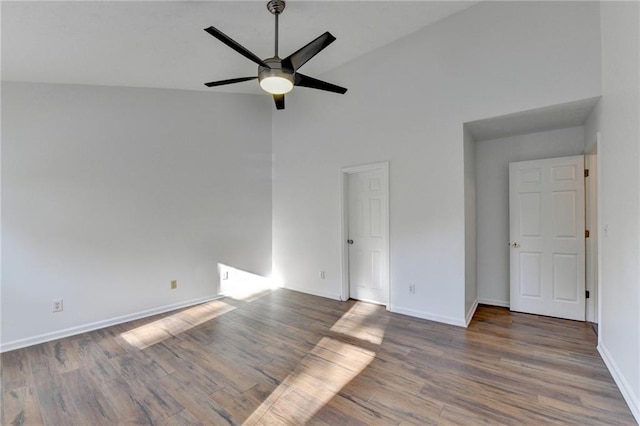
column 278, row 76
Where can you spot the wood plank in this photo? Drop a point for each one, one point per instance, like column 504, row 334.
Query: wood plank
column 198, row 403
column 15, row 369
column 56, row 403
column 21, row 407
column 93, row 407
column 183, row 418
column 65, row 356
column 131, row 407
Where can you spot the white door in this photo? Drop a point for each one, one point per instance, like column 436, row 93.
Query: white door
column 546, row 214
column 367, row 235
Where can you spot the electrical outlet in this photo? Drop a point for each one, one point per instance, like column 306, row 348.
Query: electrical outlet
column 174, row 284
column 225, row 275
column 57, row 305
column 412, row 289
column 322, row 275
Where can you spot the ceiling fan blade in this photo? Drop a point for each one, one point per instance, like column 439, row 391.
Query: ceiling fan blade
column 302, row 55
column 313, row 83
column 230, row 81
column 279, row 100
column 235, row 46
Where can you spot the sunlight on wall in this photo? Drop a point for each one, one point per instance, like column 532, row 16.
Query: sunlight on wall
column 170, row 326
column 243, row 285
column 276, row 277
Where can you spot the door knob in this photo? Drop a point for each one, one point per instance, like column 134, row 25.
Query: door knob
column 515, row 245
column 349, row 241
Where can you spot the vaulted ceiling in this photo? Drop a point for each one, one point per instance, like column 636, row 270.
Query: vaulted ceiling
column 163, row 45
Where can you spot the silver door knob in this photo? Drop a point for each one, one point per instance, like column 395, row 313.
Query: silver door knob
column 515, row 245
column 349, row 241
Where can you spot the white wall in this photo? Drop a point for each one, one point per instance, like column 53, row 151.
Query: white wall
column 493, row 158
column 618, row 121
column 470, row 232
column 406, row 103
column 111, row 193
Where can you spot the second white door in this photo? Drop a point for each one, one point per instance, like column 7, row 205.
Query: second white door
column 368, row 223
column 546, row 213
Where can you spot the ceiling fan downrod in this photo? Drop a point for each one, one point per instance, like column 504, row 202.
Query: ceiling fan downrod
column 276, row 7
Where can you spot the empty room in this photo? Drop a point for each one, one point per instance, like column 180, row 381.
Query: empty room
column 320, row 212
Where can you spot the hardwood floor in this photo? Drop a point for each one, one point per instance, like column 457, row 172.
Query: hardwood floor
column 292, row 358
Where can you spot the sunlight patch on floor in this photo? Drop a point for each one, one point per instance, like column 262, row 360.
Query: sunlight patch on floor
column 326, row 369
column 173, row 325
column 318, row 378
column 362, row 323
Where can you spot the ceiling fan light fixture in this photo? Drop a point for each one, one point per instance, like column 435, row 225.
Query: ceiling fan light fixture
column 276, row 84
column 275, row 80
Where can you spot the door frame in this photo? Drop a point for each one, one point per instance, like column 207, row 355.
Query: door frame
column 344, row 208
column 591, row 243
column 594, row 149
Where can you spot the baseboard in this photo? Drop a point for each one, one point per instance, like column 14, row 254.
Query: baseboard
column 47, row 337
column 493, row 302
column 428, row 316
column 333, row 296
column 472, row 311
column 625, row 389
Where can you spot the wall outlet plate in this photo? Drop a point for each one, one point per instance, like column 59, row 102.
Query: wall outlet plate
column 57, row 305
column 174, row 284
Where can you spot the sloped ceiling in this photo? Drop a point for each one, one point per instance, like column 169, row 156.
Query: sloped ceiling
column 163, row 45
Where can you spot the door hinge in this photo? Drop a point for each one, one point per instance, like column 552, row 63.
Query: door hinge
column 586, row 233
column 586, row 293
column 586, row 172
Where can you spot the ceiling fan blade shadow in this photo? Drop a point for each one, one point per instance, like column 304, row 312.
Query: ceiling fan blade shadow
column 235, row 46
column 279, row 100
column 229, row 81
column 313, row 83
column 302, row 55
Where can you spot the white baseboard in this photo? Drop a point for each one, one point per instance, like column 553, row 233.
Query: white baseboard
column 472, row 311
column 54, row 335
column 333, row 296
column 627, row 392
column 428, row 316
column 493, row 302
